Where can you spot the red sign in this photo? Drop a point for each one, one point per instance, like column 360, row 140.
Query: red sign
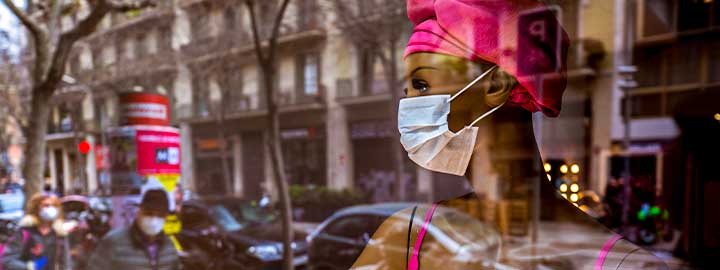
column 539, row 41
column 158, row 152
column 144, row 109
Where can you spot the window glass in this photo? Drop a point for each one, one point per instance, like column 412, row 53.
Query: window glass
column 694, row 14
column 658, row 17
column 224, row 218
column 353, row 226
column 310, row 75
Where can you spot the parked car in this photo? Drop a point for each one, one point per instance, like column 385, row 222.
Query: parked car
column 252, row 232
column 339, row 240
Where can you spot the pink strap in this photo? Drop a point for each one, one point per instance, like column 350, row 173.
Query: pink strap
column 414, row 263
column 605, row 250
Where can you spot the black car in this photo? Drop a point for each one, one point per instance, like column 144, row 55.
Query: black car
column 340, row 239
column 237, row 233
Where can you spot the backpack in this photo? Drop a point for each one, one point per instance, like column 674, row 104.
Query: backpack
column 25, row 237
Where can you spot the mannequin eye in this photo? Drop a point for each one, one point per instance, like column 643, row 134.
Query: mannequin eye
column 420, row 85
column 405, row 90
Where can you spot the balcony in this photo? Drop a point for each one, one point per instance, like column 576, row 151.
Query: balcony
column 349, row 91
column 131, row 68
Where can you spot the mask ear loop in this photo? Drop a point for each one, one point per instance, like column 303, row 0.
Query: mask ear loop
column 486, row 114
column 472, row 83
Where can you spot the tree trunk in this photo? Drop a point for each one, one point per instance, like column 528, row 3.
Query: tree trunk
column 273, row 143
column 35, row 146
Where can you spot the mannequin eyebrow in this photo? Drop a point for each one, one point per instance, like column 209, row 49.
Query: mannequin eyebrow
column 419, row 68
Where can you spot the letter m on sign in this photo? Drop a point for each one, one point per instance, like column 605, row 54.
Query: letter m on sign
column 539, row 41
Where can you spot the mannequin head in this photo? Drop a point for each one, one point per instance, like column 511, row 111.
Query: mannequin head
column 436, row 74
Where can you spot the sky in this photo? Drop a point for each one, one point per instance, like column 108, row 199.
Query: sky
column 9, row 23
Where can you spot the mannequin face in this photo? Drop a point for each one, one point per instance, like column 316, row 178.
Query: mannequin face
column 440, row 74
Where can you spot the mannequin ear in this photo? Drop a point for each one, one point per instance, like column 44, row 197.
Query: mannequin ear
column 501, row 84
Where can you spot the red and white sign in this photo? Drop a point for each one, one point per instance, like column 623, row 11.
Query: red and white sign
column 158, row 151
column 144, row 109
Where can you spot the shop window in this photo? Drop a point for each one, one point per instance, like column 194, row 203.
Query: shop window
column 647, row 105
column 649, row 62
column 714, row 75
column 657, row 17
column 676, row 98
column 685, row 63
column 693, row 14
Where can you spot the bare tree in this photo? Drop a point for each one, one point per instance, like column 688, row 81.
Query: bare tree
column 266, row 53
column 51, row 47
column 378, row 26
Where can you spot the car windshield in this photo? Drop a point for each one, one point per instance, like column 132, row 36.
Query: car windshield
column 224, row 218
column 251, row 214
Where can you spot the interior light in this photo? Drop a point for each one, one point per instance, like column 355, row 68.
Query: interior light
column 548, row 176
column 548, row 167
column 573, row 197
column 574, row 187
column 563, row 187
column 575, row 168
column 564, row 168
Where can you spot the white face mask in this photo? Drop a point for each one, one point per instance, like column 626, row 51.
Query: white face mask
column 152, row 226
column 425, row 135
column 49, row 213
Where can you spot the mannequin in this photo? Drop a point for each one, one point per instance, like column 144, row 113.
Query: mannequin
column 506, row 150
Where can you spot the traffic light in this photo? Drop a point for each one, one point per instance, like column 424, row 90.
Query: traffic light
column 84, row 147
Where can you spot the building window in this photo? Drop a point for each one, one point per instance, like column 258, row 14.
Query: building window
column 201, row 102
column 308, row 75
column 229, row 18
column 306, row 12
column 366, row 70
column 659, row 17
column 140, row 46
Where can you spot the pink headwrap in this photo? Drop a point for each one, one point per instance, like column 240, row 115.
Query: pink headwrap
column 487, row 30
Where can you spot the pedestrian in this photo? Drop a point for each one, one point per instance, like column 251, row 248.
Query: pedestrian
column 41, row 242
column 142, row 245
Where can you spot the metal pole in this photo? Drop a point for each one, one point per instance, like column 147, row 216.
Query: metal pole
column 627, row 84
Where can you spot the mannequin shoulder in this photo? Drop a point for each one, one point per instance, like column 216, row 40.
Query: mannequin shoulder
column 388, row 246
column 626, row 255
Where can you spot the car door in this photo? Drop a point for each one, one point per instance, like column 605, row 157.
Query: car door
column 342, row 241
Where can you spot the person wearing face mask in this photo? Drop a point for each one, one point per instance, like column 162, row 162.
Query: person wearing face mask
column 41, row 242
column 468, row 111
column 142, row 245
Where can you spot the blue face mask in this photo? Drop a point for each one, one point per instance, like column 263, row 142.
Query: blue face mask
column 425, row 135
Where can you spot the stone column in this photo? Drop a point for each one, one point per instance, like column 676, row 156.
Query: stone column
column 53, row 170
column 67, row 172
column 91, row 166
column 237, row 165
column 187, row 159
column 339, row 150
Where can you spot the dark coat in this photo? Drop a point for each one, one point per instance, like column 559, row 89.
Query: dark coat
column 126, row 249
column 28, row 245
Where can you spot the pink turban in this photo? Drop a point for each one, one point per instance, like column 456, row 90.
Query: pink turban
column 488, row 30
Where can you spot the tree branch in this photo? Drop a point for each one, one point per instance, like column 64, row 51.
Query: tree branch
column 276, row 28
column 31, row 24
column 255, row 32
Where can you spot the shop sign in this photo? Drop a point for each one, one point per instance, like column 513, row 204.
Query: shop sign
column 144, row 109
